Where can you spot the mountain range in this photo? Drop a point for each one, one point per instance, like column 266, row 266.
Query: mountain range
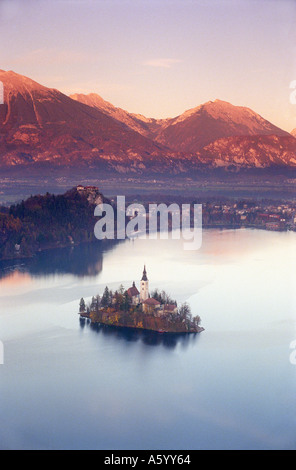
column 41, row 128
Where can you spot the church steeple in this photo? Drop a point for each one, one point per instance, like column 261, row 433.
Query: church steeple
column 144, row 277
column 144, row 289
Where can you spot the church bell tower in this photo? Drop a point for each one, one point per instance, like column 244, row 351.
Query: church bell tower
column 144, row 289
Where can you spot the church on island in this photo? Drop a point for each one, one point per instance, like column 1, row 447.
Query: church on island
column 138, row 308
column 149, row 304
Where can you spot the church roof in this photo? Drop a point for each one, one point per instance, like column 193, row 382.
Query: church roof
column 169, row 307
column 151, row 301
column 132, row 291
column 144, row 277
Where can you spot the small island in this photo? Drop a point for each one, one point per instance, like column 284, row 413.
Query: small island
column 132, row 308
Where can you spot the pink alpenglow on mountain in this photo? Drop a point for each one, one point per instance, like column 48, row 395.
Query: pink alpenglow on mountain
column 41, row 126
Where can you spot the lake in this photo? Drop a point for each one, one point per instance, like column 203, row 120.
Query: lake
column 65, row 384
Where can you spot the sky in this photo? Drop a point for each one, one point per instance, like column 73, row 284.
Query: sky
column 158, row 57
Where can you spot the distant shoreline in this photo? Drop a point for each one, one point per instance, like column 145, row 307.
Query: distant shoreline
column 69, row 245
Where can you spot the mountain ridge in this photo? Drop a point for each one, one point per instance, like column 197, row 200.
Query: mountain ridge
column 41, row 125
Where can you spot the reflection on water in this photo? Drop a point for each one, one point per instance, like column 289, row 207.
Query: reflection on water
column 15, row 277
column 68, row 384
column 149, row 338
column 81, row 260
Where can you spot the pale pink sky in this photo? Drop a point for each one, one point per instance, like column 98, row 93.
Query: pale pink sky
column 158, row 57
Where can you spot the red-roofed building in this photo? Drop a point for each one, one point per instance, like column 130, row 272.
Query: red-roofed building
column 134, row 294
column 149, row 305
column 170, row 308
column 166, row 309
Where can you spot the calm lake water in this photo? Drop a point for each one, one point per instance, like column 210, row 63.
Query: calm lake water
column 67, row 385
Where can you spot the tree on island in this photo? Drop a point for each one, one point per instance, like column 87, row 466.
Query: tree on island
column 156, row 295
column 82, row 305
column 95, row 303
column 162, row 297
column 121, row 289
column 106, row 297
column 118, row 300
column 122, row 300
column 185, row 315
column 185, row 312
column 98, row 304
column 196, row 320
column 127, row 301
